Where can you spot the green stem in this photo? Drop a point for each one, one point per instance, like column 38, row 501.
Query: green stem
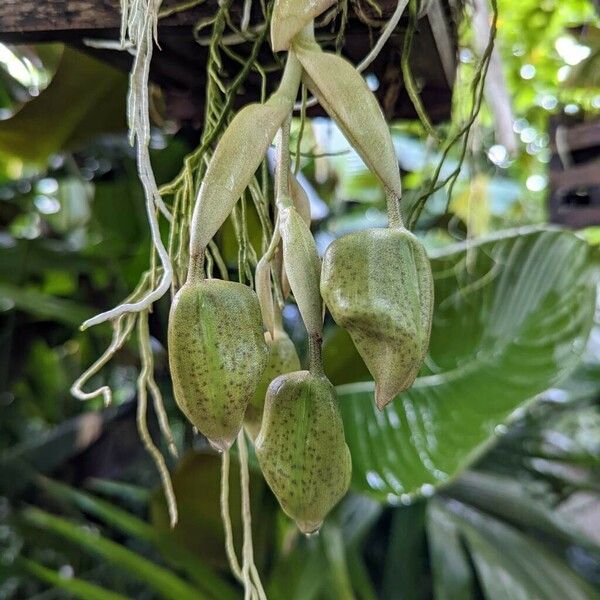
column 315, row 359
column 196, row 268
column 300, row 131
column 393, row 209
column 290, row 80
column 282, row 176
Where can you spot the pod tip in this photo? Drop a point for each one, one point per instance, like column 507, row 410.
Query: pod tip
column 309, row 528
column 221, row 444
column 383, row 397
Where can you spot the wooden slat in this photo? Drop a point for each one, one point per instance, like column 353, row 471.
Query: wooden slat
column 583, row 176
column 48, row 20
column 179, row 67
column 578, row 137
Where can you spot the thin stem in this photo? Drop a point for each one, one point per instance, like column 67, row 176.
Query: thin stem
column 477, row 86
column 300, row 131
column 384, row 37
column 282, row 174
column 219, row 260
column 196, row 268
column 409, row 82
column 292, row 74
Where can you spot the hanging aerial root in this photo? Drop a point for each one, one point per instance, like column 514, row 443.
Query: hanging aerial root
column 139, row 31
column 122, row 327
column 234, row 564
column 253, row 587
column 145, row 383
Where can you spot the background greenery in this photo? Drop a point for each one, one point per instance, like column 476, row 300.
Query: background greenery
column 480, row 482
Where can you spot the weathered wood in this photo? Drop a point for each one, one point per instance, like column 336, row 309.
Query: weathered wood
column 577, row 137
column 44, row 20
column 49, row 20
column 179, row 68
column 574, row 198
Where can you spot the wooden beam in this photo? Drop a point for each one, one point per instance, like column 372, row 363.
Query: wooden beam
column 179, row 67
column 23, row 21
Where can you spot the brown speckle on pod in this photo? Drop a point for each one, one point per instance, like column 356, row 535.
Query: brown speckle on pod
column 217, row 355
column 301, row 447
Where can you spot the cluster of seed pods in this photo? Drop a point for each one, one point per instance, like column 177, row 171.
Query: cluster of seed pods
column 232, row 363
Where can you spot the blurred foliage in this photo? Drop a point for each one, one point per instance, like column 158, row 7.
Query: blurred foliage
column 512, row 313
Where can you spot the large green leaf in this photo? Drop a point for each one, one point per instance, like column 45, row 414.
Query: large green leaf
column 77, row 588
column 452, row 574
column 512, row 316
column 45, row 306
column 510, row 565
column 124, row 522
column 86, row 98
column 512, row 501
column 164, row 582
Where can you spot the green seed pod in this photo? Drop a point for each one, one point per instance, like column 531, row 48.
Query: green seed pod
column 378, row 285
column 301, row 447
column 238, row 154
column 302, row 267
column 347, row 99
column 283, row 358
column 217, row 354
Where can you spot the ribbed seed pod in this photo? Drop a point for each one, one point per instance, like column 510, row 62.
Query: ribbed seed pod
column 378, row 285
column 283, row 358
column 301, row 447
column 217, row 354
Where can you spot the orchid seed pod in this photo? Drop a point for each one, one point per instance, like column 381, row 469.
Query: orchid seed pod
column 344, row 94
column 237, row 157
column 301, row 447
column 302, row 266
column 301, row 203
column 283, row 358
column 291, row 16
column 378, row 285
column 217, row 354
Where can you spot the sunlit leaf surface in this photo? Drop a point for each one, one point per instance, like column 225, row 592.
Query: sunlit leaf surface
column 512, row 316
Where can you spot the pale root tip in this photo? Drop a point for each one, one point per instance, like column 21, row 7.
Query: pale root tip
column 309, row 528
column 221, row 444
column 382, row 397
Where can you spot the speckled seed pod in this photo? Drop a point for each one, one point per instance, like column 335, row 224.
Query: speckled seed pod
column 217, row 354
column 378, row 285
column 283, row 358
column 301, row 447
